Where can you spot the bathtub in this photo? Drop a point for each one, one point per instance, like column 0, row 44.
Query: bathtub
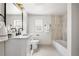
column 61, row 46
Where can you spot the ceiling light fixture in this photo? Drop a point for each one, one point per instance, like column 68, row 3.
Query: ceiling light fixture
column 19, row 5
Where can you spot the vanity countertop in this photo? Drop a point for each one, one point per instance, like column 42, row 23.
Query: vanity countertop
column 3, row 38
column 20, row 37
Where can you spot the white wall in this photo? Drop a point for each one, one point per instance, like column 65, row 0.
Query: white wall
column 75, row 30
column 45, row 37
column 69, row 20
column 55, row 32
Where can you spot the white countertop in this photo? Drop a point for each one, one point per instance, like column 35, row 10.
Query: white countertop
column 5, row 38
column 20, row 37
column 15, row 37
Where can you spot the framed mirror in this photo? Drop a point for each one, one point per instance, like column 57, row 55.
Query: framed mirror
column 14, row 19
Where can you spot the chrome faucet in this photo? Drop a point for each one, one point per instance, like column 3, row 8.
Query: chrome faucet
column 19, row 31
column 14, row 28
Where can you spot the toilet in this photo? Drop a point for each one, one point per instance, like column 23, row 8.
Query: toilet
column 34, row 45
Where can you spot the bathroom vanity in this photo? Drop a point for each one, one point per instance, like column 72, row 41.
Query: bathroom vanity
column 16, row 46
column 16, row 24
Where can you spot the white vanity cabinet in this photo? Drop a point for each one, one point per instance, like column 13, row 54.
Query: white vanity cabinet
column 16, row 47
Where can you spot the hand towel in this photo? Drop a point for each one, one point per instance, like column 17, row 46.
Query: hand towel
column 3, row 32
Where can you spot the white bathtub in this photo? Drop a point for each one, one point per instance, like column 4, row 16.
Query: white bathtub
column 61, row 46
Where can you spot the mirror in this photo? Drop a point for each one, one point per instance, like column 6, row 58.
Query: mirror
column 14, row 19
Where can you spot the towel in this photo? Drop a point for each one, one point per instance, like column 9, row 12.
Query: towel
column 3, row 32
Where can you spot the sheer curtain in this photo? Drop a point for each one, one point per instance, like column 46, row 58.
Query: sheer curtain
column 57, row 28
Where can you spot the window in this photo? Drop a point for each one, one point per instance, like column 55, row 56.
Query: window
column 38, row 25
column 18, row 23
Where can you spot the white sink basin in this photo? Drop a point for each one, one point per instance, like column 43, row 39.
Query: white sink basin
column 21, row 36
column 34, row 41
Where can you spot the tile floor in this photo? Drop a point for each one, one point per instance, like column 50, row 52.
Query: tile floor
column 46, row 51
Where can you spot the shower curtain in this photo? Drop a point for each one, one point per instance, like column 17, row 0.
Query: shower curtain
column 57, row 28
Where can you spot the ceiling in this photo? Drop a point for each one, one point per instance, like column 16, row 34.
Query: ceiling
column 11, row 9
column 39, row 8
